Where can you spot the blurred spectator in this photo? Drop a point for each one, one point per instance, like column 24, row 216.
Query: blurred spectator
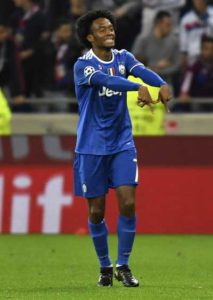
column 100, row 4
column 198, row 79
column 160, row 49
column 10, row 67
column 62, row 51
column 28, row 25
column 54, row 10
column 77, row 9
column 128, row 15
column 6, row 9
column 151, row 8
column 187, row 7
column 193, row 25
column 57, row 9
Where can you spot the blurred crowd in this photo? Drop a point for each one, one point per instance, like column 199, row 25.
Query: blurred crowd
column 38, row 47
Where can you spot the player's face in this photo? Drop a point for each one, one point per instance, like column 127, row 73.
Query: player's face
column 102, row 34
column 207, row 51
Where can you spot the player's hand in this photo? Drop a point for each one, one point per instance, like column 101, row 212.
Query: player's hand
column 144, row 98
column 164, row 95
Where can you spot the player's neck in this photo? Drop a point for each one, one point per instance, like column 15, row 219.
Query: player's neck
column 103, row 54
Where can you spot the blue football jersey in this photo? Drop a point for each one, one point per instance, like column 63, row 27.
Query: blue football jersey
column 104, row 125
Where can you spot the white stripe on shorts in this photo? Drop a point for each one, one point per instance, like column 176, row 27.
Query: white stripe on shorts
column 136, row 174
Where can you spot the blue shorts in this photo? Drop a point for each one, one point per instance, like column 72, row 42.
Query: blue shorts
column 95, row 174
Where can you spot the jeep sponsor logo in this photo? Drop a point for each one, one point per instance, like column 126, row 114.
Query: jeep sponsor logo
column 108, row 93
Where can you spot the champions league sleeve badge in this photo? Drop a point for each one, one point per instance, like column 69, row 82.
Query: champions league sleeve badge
column 88, row 71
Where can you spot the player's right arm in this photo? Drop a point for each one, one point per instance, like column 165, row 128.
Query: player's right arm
column 87, row 74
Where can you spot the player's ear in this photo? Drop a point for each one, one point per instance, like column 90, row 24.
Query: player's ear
column 90, row 38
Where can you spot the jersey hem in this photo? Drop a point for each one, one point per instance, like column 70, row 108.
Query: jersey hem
column 103, row 154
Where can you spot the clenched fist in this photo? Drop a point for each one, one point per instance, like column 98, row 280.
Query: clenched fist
column 164, row 95
column 144, row 97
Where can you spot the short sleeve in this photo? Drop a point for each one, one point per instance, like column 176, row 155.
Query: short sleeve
column 83, row 72
column 131, row 62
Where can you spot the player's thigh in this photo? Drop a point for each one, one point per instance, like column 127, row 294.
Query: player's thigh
column 90, row 176
column 124, row 169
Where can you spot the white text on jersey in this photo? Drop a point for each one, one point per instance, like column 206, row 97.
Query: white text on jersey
column 108, row 93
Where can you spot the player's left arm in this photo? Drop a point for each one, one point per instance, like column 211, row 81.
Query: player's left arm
column 153, row 79
column 137, row 69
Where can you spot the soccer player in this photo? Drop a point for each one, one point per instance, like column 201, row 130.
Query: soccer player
column 105, row 152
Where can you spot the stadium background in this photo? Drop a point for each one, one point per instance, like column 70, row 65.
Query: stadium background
column 175, row 171
column 37, row 143
column 36, row 182
column 44, row 237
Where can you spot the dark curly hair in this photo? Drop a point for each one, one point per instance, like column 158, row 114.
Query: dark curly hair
column 83, row 24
